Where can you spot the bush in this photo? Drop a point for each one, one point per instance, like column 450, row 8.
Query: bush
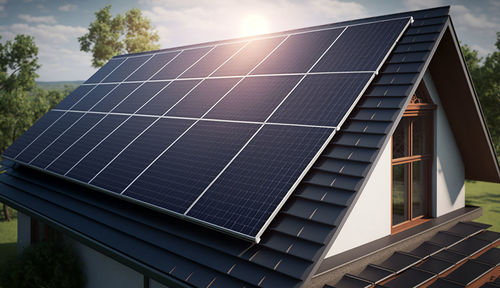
column 47, row 264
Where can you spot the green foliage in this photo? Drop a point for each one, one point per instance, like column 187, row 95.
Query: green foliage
column 140, row 35
column 486, row 78
column 108, row 36
column 59, row 85
column 487, row 196
column 47, row 264
column 19, row 109
column 18, row 63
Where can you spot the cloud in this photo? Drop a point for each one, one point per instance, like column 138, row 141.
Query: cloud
column 67, row 7
column 422, row 4
column 2, row 6
column 463, row 16
column 202, row 20
column 58, row 49
column 481, row 50
column 37, row 19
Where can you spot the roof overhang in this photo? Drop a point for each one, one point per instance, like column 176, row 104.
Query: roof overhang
column 463, row 110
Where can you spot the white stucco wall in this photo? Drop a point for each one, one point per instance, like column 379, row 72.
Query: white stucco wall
column 370, row 219
column 23, row 231
column 103, row 271
column 448, row 184
column 154, row 284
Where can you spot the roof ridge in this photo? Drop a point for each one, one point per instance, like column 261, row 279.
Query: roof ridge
column 319, row 26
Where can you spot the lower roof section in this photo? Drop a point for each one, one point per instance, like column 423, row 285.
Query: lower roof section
column 176, row 252
column 354, row 260
column 463, row 255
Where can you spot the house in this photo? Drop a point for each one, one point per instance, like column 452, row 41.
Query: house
column 380, row 198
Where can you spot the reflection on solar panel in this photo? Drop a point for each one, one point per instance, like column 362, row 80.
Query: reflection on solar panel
column 218, row 133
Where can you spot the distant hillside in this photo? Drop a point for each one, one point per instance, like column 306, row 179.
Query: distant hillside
column 58, row 85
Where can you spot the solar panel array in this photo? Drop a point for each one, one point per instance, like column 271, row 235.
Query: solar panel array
column 218, row 133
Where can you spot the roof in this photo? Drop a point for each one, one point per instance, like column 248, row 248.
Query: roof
column 178, row 253
column 460, row 255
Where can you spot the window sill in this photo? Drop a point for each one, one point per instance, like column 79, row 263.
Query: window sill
column 408, row 224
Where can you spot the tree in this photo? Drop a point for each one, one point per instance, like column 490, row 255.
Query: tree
column 108, row 36
column 486, row 78
column 18, row 65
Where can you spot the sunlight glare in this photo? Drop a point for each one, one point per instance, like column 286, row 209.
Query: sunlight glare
column 253, row 25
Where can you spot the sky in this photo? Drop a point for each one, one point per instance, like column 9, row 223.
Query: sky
column 56, row 24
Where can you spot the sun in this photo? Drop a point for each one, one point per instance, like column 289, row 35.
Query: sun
column 253, row 24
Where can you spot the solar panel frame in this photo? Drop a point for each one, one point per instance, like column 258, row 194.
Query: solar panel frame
column 236, row 233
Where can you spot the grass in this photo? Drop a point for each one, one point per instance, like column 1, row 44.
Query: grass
column 486, row 195
column 8, row 235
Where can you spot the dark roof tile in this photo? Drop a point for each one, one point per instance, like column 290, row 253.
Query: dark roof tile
column 375, row 274
column 426, row 249
column 211, row 259
column 469, row 272
column 464, row 229
column 443, row 283
column 446, row 239
column 349, row 281
column 436, row 265
column 399, row 262
column 490, row 257
column 412, row 277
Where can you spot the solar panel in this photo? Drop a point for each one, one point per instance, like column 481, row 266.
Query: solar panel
column 322, row 100
column 126, row 68
column 218, row 133
column 115, row 97
column 212, row 60
column 299, row 52
column 105, row 70
column 53, row 150
column 149, row 68
column 256, row 177
column 183, row 171
column 244, row 101
column 91, row 98
column 183, row 61
column 74, row 97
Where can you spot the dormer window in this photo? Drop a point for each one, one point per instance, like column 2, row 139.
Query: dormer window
column 412, row 154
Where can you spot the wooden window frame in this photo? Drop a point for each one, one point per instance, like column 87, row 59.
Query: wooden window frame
column 424, row 107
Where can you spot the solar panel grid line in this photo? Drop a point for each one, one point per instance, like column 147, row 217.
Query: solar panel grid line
column 266, row 125
column 304, row 172
column 269, row 219
column 240, row 76
column 74, row 123
column 66, row 112
column 260, row 128
column 166, row 149
column 274, row 35
column 410, row 21
column 130, row 116
column 346, row 115
column 97, row 112
column 158, row 118
column 87, row 112
column 194, row 118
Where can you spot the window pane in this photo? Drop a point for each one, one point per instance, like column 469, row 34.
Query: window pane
column 399, row 193
column 419, row 188
column 400, row 140
column 420, row 139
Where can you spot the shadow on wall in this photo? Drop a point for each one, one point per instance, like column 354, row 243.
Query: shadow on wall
column 447, row 171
